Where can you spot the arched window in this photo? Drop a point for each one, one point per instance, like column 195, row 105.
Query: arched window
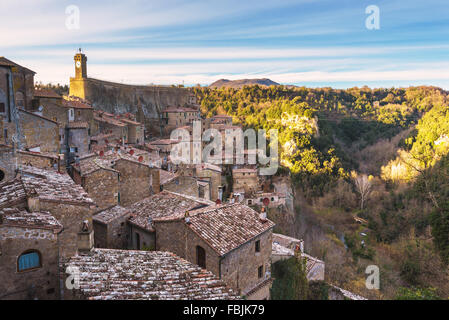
column 28, row 260
column 2, row 175
column 201, row 257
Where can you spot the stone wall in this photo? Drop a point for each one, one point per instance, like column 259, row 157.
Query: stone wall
column 175, row 237
column 184, row 185
column 102, row 187
column 240, row 267
column 100, row 234
column 134, row 181
column 38, row 160
column 54, row 110
column 7, row 163
column 40, row 283
column 147, row 239
column 215, row 179
column 79, row 138
column 39, row 131
column 245, row 181
column 71, row 217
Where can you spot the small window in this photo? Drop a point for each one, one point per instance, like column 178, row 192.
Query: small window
column 260, row 272
column 258, row 246
column 29, row 260
column 2, row 107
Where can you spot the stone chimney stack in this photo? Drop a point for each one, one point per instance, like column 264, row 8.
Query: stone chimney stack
column 263, row 215
column 33, row 201
column 85, row 237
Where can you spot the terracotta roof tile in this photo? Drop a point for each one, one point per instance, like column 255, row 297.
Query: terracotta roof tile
column 165, row 205
column 53, row 186
column 111, row 214
column 227, row 227
column 21, row 218
column 108, row 274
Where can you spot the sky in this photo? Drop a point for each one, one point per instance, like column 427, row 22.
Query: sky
column 317, row 43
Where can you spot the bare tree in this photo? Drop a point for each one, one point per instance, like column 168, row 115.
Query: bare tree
column 364, row 186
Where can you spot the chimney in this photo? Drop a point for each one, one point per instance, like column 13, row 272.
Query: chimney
column 187, row 217
column 33, row 201
column 85, row 238
column 263, row 215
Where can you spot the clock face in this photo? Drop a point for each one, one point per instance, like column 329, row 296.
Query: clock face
column 78, row 64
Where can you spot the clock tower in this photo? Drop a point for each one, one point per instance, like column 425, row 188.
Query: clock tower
column 79, row 83
column 80, row 65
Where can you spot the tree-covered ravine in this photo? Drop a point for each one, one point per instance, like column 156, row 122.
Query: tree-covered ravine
column 380, row 155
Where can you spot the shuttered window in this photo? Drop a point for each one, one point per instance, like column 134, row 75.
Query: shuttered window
column 29, row 260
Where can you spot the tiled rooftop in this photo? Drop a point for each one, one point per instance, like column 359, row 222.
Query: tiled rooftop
column 166, row 176
column 12, row 193
column 110, row 214
column 46, row 93
column 165, row 205
column 72, row 102
column 107, row 274
column 22, row 218
column 53, row 186
column 227, row 227
column 9, row 63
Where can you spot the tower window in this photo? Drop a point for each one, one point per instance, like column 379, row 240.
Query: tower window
column 2, row 107
column 260, row 272
column 257, row 247
column 201, row 257
column 29, row 260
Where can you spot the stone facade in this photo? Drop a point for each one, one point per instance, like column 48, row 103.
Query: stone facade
column 111, row 228
column 7, row 163
column 21, row 233
column 135, row 181
column 102, row 186
column 185, row 185
column 23, row 83
column 40, row 132
column 41, row 283
column 40, row 160
column 246, row 180
column 175, row 117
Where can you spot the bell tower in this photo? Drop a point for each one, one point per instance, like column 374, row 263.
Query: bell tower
column 80, row 65
column 79, row 83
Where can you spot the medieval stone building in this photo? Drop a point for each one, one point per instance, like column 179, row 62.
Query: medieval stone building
column 233, row 241
column 28, row 254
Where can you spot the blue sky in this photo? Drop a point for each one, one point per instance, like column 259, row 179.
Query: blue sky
column 303, row 42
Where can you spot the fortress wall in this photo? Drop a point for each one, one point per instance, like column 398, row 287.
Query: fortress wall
column 121, row 98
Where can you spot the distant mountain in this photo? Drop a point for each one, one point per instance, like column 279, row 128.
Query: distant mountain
column 243, row 82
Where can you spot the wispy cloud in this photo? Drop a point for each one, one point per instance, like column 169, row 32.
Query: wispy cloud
column 175, row 41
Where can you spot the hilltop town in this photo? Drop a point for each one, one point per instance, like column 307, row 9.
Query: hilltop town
column 88, row 191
